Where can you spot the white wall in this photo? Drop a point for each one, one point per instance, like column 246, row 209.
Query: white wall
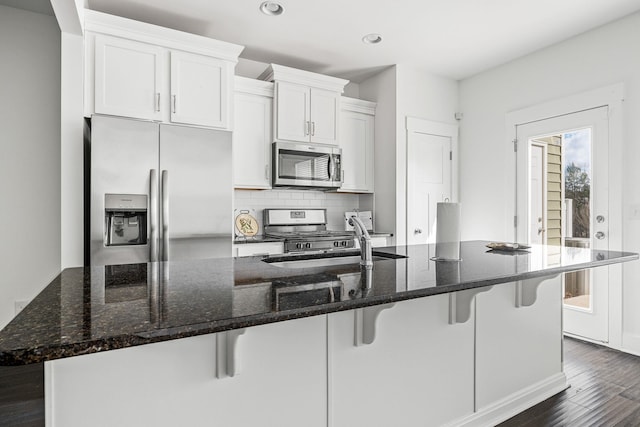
column 598, row 58
column 424, row 96
column 381, row 88
column 402, row 91
column 30, row 160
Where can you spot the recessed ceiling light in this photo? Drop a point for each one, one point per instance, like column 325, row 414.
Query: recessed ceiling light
column 271, row 8
column 372, row 38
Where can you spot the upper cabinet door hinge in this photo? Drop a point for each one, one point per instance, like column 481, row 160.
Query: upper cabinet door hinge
column 515, row 145
column 450, row 155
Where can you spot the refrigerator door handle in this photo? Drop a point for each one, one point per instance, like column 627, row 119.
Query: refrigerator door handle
column 165, row 215
column 153, row 215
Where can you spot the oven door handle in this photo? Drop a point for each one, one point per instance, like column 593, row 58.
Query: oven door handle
column 331, row 166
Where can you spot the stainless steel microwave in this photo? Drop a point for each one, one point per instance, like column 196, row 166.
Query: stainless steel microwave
column 306, row 165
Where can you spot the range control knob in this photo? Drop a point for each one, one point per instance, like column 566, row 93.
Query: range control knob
column 336, row 243
column 299, row 246
column 308, row 246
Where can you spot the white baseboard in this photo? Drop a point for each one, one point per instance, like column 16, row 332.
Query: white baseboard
column 515, row 403
column 581, row 338
column 631, row 343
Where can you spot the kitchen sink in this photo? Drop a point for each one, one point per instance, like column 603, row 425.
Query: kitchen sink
column 326, row 260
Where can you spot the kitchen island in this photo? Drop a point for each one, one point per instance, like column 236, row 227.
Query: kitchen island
column 239, row 341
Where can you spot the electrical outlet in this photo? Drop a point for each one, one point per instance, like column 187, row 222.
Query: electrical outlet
column 19, row 305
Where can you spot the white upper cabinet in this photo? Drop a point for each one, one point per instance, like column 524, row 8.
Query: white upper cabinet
column 139, row 70
column 252, row 133
column 293, row 119
column 325, row 116
column 307, row 105
column 199, row 89
column 357, row 124
column 128, row 78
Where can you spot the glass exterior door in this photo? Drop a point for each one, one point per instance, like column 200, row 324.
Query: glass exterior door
column 576, row 207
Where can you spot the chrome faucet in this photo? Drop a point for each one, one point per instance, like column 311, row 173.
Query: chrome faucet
column 365, row 242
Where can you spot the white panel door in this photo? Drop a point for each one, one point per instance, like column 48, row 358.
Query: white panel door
column 325, row 108
column 198, row 90
column 128, row 78
column 356, row 142
column 252, row 141
column 590, row 318
column 429, row 180
column 292, row 112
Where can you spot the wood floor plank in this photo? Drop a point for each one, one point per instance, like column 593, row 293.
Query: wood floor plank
column 22, row 396
column 597, row 394
column 604, row 391
column 613, row 412
column 632, row 393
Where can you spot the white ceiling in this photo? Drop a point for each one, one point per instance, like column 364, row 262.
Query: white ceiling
column 452, row 38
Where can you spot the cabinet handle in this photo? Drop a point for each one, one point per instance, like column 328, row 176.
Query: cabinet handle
column 174, row 104
column 158, row 101
column 306, row 128
column 313, row 128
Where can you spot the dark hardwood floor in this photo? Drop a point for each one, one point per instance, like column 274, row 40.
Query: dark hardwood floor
column 22, row 395
column 605, row 391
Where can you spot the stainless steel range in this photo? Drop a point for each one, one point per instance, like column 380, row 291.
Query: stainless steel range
column 305, row 230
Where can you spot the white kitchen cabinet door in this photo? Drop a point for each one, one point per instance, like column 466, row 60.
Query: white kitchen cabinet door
column 281, row 381
column 417, row 372
column 199, row 90
column 518, row 348
column 128, row 78
column 292, row 112
column 357, row 144
column 325, row 109
column 252, row 141
column 256, row 249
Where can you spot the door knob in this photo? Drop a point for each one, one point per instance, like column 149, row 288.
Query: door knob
column 599, row 235
column 418, row 231
column 540, row 230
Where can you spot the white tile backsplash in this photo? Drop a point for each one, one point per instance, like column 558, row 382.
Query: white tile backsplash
column 335, row 203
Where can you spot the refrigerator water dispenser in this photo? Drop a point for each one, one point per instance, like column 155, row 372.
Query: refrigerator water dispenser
column 125, row 217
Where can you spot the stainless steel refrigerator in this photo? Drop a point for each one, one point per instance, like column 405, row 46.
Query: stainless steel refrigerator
column 158, row 192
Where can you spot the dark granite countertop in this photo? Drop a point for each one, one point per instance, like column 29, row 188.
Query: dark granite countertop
column 87, row 310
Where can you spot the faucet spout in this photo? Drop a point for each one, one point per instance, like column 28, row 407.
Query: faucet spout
column 366, row 259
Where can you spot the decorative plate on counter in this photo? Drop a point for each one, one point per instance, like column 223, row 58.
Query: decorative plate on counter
column 246, row 224
column 509, row 247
